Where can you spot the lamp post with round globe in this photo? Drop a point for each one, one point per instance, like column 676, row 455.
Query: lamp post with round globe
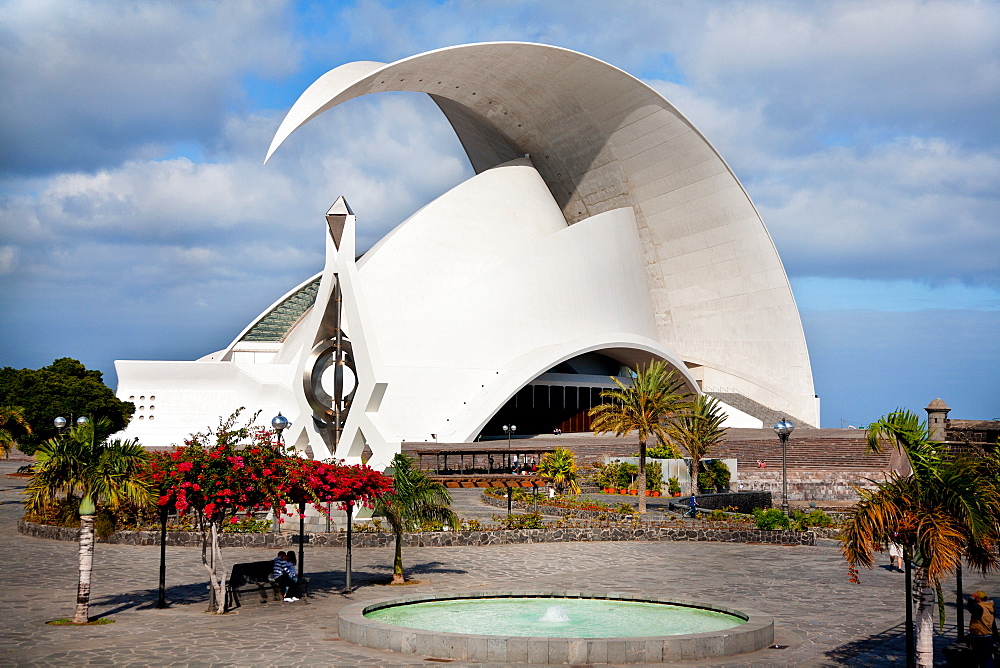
column 61, row 423
column 784, row 429
column 280, row 423
column 509, row 429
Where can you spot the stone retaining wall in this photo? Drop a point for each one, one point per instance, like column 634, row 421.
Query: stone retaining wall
column 646, row 532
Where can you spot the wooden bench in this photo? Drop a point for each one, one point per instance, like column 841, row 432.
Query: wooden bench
column 255, row 576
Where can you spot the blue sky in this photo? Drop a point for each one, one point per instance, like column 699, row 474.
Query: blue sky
column 138, row 222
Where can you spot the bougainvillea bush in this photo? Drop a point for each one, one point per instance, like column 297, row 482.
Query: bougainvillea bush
column 222, row 476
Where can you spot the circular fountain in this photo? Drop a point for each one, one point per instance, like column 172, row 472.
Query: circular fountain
column 554, row 627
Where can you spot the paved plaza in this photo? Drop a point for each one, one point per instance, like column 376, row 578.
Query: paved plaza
column 819, row 616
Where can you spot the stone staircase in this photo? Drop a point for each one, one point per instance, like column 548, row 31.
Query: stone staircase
column 809, row 450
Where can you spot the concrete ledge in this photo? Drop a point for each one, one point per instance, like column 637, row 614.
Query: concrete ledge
column 660, row 531
column 756, row 633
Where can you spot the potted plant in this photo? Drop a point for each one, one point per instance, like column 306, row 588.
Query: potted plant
column 626, row 476
column 654, row 478
column 674, row 486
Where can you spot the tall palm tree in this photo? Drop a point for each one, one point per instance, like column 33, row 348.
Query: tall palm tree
column 698, row 432
column 655, row 396
column 946, row 510
column 101, row 473
column 12, row 422
column 415, row 498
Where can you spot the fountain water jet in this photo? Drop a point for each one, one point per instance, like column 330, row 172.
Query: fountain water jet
column 554, row 613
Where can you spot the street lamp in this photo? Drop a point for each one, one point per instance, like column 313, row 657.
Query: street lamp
column 510, row 429
column 60, row 423
column 784, row 429
column 280, row 423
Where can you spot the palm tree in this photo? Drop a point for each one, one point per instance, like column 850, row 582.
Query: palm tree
column 12, row 420
column 655, row 396
column 559, row 466
column 698, row 432
column 99, row 472
column 415, row 498
column 946, row 510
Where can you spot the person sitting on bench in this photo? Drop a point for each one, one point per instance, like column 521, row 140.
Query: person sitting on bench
column 285, row 576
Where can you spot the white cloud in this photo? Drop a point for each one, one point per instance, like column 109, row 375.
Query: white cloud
column 7, row 259
column 915, row 209
column 844, row 67
column 90, row 82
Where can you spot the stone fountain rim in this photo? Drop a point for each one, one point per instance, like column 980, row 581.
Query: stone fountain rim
column 757, row 632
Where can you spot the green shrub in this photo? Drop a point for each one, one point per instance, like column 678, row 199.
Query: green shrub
column 771, row 519
column 626, row 509
column 720, row 473
column 248, row 525
column 104, row 523
column 61, row 513
column 706, row 481
column 663, row 451
column 514, row 521
column 654, row 476
column 673, row 486
column 372, row 526
column 627, row 473
column 472, row 524
column 814, row 518
column 560, row 465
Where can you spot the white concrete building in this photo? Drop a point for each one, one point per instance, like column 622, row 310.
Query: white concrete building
column 601, row 224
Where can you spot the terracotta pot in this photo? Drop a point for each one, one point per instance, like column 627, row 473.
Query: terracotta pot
column 654, row 493
column 634, row 492
column 677, row 493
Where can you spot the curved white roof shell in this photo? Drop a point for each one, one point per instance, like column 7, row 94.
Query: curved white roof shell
column 601, row 141
column 599, row 221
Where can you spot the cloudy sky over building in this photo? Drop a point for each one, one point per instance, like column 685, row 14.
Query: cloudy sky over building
column 138, row 222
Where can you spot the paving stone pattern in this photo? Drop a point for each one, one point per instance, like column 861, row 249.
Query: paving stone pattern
column 822, row 618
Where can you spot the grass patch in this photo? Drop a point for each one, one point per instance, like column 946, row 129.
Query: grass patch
column 70, row 622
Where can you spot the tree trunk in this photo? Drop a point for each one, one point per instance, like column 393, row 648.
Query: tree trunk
column 211, row 558
column 397, row 564
column 641, row 482
column 81, row 616
column 695, row 464
column 923, row 599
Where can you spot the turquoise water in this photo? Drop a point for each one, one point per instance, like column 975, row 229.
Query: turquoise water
column 588, row 618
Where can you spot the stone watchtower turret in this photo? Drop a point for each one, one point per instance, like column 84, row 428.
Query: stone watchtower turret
column 937, row 419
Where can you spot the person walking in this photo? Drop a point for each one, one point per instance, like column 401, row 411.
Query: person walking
column 982, row 626
column 895, row 555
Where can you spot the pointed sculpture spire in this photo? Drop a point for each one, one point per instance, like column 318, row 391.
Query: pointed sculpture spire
column 336, row 217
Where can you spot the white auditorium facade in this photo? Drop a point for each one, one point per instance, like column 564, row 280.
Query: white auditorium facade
column 601, row 231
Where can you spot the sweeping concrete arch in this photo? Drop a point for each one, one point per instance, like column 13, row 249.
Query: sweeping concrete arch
column 602, row 140
column 599, row 220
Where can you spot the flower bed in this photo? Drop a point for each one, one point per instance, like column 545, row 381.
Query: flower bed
column 581, row 532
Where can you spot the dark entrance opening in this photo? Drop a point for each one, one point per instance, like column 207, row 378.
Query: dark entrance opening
column 560, row 398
